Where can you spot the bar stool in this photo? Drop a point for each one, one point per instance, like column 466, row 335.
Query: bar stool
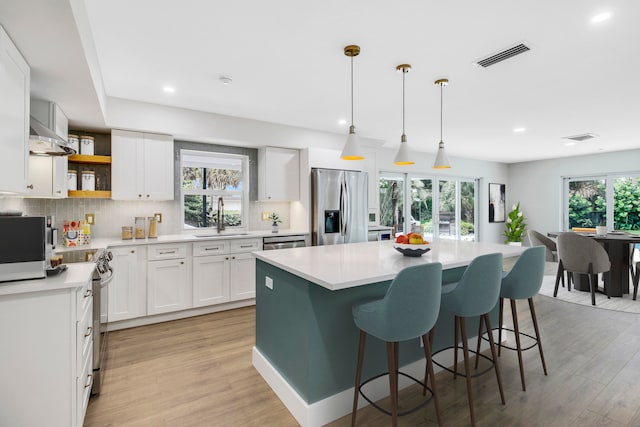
column 522, row 282
column 476, row 294
column 409, row 310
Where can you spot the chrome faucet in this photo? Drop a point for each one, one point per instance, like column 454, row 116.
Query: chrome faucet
column 220, row 214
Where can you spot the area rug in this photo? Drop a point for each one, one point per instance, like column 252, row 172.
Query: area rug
column 624, row 303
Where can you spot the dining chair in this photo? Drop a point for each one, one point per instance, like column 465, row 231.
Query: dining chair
column 539, row 239
column 581, row 255
column 409, row 310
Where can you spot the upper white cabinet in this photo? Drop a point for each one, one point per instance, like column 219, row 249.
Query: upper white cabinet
column 47, row 177
column 141, row 166
column 278, row 174
column 14, row 117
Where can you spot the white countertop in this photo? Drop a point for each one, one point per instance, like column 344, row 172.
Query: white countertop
column 76, row 275
column 178, row 238
column 344, row 266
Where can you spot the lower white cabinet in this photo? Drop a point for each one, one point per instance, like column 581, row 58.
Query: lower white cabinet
column 168, row 284
column 210, row 280
column 127, row 291
column 243, row 276
column 46, row 350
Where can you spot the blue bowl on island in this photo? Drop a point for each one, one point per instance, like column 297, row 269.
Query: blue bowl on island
column 412, row 250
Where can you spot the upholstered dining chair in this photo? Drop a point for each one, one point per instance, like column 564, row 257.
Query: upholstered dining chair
column 581, row 255
column 539, row 239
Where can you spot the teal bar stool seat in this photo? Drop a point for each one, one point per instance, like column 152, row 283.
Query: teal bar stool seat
column 409, row 310
column 523, row 282
column 476, row 294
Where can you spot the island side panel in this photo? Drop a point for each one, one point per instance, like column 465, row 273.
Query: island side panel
column 307, row 332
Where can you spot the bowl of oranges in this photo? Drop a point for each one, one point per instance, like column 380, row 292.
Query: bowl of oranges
column 412, row 244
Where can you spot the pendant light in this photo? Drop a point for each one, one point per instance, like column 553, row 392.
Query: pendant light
column 402, row 157
column 351, row 150
column 442, row 161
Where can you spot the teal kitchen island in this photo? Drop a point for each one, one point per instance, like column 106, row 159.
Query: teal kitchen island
column 306, row 341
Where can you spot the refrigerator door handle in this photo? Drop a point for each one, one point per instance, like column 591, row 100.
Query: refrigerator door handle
column 346, row 210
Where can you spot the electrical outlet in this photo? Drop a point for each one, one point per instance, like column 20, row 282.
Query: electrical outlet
column 265, row 216
column 268, row 282
column 90, row 218
column 158, row 217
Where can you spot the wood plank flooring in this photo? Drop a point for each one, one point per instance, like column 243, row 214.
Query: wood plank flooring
column 198, row 372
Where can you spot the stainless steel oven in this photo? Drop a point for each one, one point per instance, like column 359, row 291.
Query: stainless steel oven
column 103, row 273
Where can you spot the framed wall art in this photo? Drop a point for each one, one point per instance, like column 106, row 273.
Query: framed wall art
column 496, row 202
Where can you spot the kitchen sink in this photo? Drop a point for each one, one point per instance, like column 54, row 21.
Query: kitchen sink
column 221, row 235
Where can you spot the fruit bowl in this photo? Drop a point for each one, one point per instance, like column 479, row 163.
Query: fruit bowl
column 414, row 250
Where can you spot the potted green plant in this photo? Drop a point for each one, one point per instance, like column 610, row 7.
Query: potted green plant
column 514, row 226
column 275, row 220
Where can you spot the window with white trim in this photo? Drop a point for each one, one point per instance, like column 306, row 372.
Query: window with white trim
column 211, row 180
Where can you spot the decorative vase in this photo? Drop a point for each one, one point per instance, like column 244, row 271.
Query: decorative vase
column 514, row 243
column 274, row 228
column 601, row 230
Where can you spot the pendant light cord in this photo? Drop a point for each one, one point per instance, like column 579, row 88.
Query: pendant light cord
column 403, row 73
column 352, row 90
column 441, row 85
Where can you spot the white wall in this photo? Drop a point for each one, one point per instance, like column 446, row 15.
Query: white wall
column 538, row 185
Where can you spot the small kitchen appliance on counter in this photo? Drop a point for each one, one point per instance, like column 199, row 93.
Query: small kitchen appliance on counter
column 22, row 247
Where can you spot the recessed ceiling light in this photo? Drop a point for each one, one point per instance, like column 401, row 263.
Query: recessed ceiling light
column 570, row 143
column 518, row 130
column 342, row 122
column 225, row 80
column 168, row 89
column 601, row 17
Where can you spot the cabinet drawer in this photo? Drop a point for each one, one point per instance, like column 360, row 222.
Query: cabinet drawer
column 246, row 245
column 84, row 336
column 158, row 252
column 212, row 247
column 84, row 297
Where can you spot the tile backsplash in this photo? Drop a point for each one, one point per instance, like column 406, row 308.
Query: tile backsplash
column 111, row 215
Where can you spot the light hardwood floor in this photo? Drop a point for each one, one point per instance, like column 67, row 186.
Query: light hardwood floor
column 198, row 372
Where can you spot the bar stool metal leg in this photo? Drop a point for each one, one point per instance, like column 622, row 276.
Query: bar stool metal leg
column 516, row 330
column 467, row 367
column 494, row 355
column 427, row 354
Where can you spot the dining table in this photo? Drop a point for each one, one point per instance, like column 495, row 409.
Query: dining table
column 618, row 246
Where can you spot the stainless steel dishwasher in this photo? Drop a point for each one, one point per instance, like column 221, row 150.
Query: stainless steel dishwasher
column 283, row 242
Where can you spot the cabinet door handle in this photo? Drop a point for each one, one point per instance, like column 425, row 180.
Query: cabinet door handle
column 89, row 331
column 216, row 248
column 181, row 262
column 147, row 196
column 88, row 293
column 133, row 252
column 226, row 258
column 88, row 383
column 246, row 246
column 58, row 191
column 139, row 196
column 233, row 257
column 167, row 252
column 30, row 186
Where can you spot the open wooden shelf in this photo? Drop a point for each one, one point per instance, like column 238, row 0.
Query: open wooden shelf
column 96, row 160
column 90, row 194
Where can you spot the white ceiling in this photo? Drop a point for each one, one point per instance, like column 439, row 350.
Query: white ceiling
column 287, row 64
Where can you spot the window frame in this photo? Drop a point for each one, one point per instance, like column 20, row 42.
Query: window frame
column 244, row 192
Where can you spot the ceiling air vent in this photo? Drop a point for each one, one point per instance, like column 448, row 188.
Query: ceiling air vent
column 501, row 56
column 581, row 138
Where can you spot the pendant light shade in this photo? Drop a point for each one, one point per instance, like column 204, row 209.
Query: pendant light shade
column 442, row 161
column 351, row 150
column 402, row 157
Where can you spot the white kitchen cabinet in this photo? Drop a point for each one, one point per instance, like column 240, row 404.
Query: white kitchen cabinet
column 141, row 166
column 242, row 276
column 127, row 290
column 168, row 282
column 14, row 117
column 278, row 174
column 210, row 280
column 47, row 177
column 46, row 366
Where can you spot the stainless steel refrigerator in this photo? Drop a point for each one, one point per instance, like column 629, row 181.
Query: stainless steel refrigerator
column 339, row 206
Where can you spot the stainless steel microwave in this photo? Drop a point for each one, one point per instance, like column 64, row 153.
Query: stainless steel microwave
column 22, row 247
